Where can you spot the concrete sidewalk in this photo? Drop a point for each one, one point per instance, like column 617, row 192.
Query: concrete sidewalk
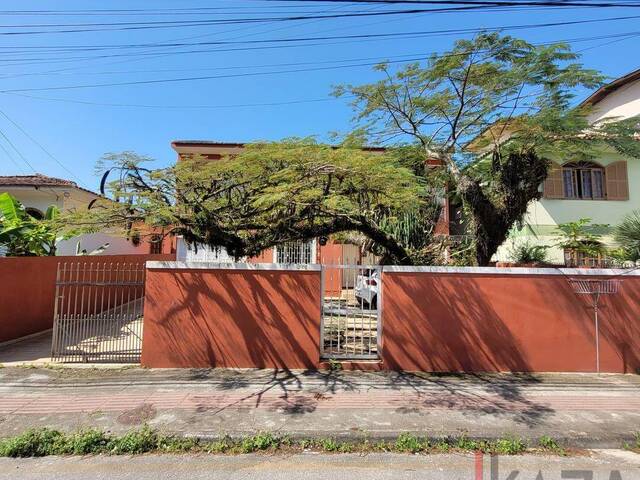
column 581, row 410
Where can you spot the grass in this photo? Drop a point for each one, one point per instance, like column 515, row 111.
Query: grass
column 635, row 444
column 45, row 441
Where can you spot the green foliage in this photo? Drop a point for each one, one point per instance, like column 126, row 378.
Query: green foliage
column 32, row 443
column 509, row 446
column 45, row 441
column 526, row 252
column 627, row 234
column 493, row 109
column 549, row 444
column 269, row 194
column 136, row 442
column 410, row 443
column 580, row 236
column 23, row 235
column 86, row 442
column 261, row 441
column 328, row 445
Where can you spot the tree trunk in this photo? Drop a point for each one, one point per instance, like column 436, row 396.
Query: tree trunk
column 489, row 227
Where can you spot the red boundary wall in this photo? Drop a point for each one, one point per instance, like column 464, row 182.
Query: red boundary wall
column 244, row 317
column 478, row 322
column 481, row 320
column 29, row 286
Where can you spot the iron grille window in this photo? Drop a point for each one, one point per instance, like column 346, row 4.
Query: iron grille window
column 294, row 252
column 583, row 180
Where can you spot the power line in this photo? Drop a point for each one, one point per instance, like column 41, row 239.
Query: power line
column 49, row 154
column 460, row 6
column 298, row 42
column 299, row 70
column 65, row 48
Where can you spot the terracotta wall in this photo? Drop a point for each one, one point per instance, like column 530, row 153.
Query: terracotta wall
column 232, row 318
column 28, row 289
column 504, row 322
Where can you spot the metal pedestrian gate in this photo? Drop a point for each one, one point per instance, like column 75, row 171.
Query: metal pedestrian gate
column 98, row 312
column 351, row 300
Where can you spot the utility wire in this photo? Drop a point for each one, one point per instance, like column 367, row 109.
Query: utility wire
column 65, row 48
column 49, row 154
column 298, row 70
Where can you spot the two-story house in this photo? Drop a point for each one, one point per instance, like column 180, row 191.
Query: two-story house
column 604, row 190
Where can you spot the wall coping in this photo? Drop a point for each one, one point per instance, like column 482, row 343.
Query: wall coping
column 591, row 272
column 159, row 265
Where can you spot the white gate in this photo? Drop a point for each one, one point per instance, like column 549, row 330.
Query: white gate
column 351, row 301
column 98, row 312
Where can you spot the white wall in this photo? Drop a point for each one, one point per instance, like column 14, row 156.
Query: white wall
column 623, row 103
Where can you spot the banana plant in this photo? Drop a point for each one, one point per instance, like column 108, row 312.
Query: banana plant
column 23, row 235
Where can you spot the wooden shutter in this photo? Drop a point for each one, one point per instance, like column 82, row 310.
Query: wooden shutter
column 617, row 181
column 553, row 184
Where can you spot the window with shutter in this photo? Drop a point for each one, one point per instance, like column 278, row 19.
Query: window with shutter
column 553, row 184
column 617, row 181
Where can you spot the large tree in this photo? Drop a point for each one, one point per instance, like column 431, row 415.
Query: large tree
column 494, row 110
column 269, row 194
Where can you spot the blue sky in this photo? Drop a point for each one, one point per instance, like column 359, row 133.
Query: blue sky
column 76, row 127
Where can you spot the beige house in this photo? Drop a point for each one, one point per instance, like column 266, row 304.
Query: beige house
column 604, row 190
column 37, row 192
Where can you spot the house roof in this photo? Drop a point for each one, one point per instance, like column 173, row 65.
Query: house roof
column 36, row 180
column 39, row 180
column 611, row 87
column 209, row 143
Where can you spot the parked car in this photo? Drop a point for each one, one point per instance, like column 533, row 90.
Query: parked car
column 367, row 288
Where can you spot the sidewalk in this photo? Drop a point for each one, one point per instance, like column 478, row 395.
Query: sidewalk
column 582, row 410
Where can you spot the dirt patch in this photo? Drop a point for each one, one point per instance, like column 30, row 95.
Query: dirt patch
column 138, row 415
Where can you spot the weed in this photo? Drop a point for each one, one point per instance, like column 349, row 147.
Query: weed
column 328, row 445
column 334, row 365
column 85, row 442
column 46, row 441
column 220, row 446
column 547, row 443
column 137, row 441
column 261, row 441
column 33, row 443
column 410, row 443
column 509, row 446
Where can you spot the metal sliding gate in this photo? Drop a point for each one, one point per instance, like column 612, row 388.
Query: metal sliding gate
column 351, row 300
column 98, row 312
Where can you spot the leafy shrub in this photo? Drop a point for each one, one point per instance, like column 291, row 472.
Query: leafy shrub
column 509, row 446
column 261, row 441
column 328, row 445
column 526, row 252
column 410, row 443
column 85, row 442
column 627, row 234
column 33, row 443
column 137, row 441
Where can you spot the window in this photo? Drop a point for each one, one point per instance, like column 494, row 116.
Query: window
column 35, row 213
column 297, row 252
column 155, row 244
column 583, row 180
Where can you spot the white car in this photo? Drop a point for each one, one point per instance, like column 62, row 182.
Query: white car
column 367, row 288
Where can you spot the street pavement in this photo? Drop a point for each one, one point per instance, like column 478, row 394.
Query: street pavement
column 600, row 465
column 579, row 410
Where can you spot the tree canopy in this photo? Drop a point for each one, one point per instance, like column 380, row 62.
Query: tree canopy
column 269, row 194
column 494, row 110
column 495, row 100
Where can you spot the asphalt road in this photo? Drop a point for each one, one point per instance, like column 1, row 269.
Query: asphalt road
column 312, row 466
